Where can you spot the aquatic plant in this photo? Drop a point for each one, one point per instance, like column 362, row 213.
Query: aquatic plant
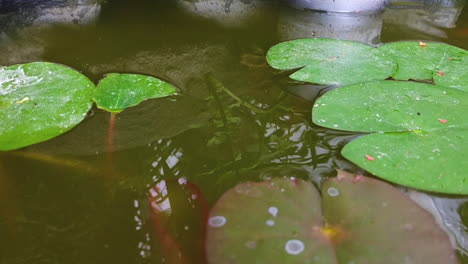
column 39, row 101
column 355, row 220
column 42, row 100
column 419, row 129
column 117, row 92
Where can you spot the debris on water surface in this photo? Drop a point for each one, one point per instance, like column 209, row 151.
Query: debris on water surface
column 22, row 100
column 358, row 178
column 440, row 73
column 443, row 121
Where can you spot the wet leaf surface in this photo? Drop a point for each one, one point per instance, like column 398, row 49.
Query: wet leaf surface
column 328, row 61
column 366, row 221
column 117, row 92
column 446, row 64
column 39, row 101
column 377, row 223
column 276, row 221
column 422, row 140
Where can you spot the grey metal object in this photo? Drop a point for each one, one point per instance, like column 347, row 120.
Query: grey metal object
column 295, row 23
column 346, row 6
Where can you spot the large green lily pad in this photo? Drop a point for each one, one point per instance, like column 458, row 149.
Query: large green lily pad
column 116, row 92
column 422, row 129
column 447, row 65
column 39, row 101
column 329, row 61
column 281, row 221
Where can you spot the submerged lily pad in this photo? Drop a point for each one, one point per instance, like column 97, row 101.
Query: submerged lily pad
column 116, row 92
column 280, row 221
column 446, row 64
column 370, row 221
column 276, row 221
column 329, row 61
column 422, row 129
column 39, row 101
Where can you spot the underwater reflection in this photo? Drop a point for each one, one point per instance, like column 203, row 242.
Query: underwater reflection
column 362, row 27
column 178, row 212
column 423, row 19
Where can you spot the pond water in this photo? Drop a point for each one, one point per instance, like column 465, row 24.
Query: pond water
column 68, row 200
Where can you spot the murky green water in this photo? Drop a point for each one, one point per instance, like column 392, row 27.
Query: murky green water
column 236, row 119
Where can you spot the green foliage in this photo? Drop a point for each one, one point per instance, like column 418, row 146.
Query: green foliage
column 446, row 65
column 422, row 138
column 329, row 61
column 39, row 101
column 116, row 92
column 281, row 221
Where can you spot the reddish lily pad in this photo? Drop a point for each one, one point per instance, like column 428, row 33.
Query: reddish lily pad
column 374, row 222
column 276, row 221
column 366, row 221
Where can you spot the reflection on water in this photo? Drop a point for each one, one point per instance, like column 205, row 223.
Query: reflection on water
column 423, row 19
column 296, row 23
column 236, row 120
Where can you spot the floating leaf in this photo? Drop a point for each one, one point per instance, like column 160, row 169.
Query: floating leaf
column 446, row 64
column 329, row 61
column 377, row 223
column 39, row 101
column 276, row 221
column 455, row 73
column 116, row 92
column 280, row 221
column 422, row 140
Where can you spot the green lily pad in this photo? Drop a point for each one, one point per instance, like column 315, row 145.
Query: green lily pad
column 329, row 61
column 454, row 73
column 116, row 92
column 422, row 137
column 39, row 101
column 281, row 221
column 446, row 64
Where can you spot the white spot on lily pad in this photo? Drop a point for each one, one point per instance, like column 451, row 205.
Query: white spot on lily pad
column 273, row 211
column 294, row 247
column 217, row 221
column 333, row 192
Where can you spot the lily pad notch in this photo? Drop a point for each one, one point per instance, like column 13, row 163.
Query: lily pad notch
column 420, row 130
column 356, row 220
column 42, row 100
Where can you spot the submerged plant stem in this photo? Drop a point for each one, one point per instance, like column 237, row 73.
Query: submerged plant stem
column 218, row 85
column 64, row 162
column 110, row 145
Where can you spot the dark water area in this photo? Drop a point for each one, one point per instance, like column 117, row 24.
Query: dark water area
column 235, row 119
